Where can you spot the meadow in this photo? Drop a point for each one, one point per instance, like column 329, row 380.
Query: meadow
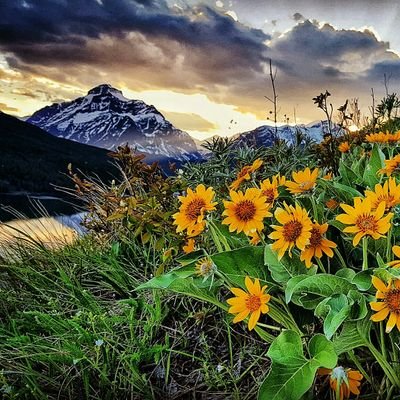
column 269, row 273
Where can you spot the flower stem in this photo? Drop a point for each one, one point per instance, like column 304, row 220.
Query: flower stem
column 387, row 369
column 389, row 245
column 314, row 206
column 365, row 253
column 276, row 328
column 339, row 256
column 382, row 340
column 319, row 262
column 359, row 366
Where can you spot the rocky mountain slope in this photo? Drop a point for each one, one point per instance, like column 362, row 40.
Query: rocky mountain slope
column 105, row 118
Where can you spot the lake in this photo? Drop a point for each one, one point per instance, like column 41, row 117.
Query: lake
column 31, row 205
column 24, row 219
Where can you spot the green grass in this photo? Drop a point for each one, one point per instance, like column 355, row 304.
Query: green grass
column 72, row 326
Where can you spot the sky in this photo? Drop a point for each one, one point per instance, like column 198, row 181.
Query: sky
column 203, row 64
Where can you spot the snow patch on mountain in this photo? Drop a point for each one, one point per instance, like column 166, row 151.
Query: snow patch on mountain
column 106, row 118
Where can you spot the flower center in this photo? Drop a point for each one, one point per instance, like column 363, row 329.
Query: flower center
column 316, row 238
column 253, row 303
column 392, row 300
column 204, row 267
column 292, row 230
column 269, row 194
column 339, row 373
column 193, row 209
column 366, row 223
column 245, row 210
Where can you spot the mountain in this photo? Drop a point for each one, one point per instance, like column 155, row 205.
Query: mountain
column 31, row 159
column 105, row 118
column 264, row 135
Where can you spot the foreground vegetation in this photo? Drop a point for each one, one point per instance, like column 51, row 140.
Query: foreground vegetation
column 269, row 272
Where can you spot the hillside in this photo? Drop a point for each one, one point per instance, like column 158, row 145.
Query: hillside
column 31, row 160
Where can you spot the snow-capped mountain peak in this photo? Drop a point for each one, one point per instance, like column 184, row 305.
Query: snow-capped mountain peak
column 106, row 118
column 265, row 135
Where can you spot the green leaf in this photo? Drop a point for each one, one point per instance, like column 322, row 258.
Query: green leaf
column 353, row 335
column 379, row 260
column 291, row 285
column 334, row 310
column 284, row 269
column 313, row 289
column 181, row 281
column 347, row 174
column 190, row 258
column 236, row 264
column 363, row 280
column 386, row 274
column 347, row 192
column 291, row 373
column 346, row 273
column 358, row 303
column 375, row 163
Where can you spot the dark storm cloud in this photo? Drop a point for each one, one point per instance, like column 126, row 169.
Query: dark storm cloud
column 144, row 44
column 70, row 23
column 323, row 55
column 298, row 17
column 388, row 68
column 307, row 39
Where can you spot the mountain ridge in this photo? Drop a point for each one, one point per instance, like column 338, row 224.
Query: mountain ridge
column 106, row 118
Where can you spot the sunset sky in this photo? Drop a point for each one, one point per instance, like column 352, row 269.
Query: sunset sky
column 202, row 63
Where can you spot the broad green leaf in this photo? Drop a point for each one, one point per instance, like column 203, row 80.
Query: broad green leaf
column 165, row 281
column 313, row 289
column 291, row 285
column 347, row 174
column 181, row 281
column 291, row 373
column 347, row 192
column 334, row 311
column 236, row 264
column 284, row 269
column 363, row 280
column 358, row 303
column 346, row 273
column 353, row 335
column 358, row 167
column 375, row 163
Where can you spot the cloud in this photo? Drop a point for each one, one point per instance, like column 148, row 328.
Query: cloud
column 390, row 68
column 6, row 108
column 312, row 45
column 145, row 45
column 189, row 122
column 298, row 17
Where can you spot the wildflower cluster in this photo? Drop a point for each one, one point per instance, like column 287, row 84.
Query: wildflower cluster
column 314, row 239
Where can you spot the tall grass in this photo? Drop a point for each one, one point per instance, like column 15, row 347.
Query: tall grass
column 73, row 327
